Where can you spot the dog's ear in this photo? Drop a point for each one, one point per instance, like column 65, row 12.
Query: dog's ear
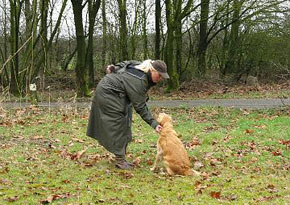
column 167, row 118
column 160, row 118
column 163, row 118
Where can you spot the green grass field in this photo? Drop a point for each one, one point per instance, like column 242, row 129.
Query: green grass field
column 243, row 155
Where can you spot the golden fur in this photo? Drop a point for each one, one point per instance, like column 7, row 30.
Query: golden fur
column 171, row 149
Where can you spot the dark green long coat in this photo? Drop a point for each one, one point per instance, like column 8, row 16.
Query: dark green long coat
column 111, row 113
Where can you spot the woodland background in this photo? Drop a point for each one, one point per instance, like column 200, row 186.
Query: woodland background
column 203, row 39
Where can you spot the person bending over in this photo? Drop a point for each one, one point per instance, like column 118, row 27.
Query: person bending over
column 124, row 86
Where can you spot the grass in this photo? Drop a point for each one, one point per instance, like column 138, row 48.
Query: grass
column 244, row 157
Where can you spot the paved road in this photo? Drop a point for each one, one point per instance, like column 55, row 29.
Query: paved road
column 235, row 103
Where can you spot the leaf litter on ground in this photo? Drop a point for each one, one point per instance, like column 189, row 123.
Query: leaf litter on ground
column 243, row 150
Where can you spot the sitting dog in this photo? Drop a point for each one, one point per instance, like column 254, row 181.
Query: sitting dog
column 171, row 150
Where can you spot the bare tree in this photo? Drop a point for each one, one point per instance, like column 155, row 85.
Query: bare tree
column 80, row 68
column 93, row 7
column 157, row 28
column 174, row 15
column 46, row 48
column 104, row 33
column 15, row 9
column 4, row 75
column 240, row 11
column 144, row 31
column 202, row 46
column 134, row 27
column 123, row 30
column 84, row 53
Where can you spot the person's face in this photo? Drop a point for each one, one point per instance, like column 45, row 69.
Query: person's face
column 155, row 75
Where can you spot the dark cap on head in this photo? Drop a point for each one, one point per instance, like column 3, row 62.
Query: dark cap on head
column 161, row 67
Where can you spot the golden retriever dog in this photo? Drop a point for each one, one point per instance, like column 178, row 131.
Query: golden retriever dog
column 171, row 150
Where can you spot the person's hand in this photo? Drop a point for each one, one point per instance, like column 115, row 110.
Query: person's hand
column 158, row 128
column 110, row 69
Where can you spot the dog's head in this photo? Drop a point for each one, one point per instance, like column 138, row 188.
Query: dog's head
column 163, row 118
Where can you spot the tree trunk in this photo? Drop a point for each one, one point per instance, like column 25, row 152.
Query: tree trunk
column 28, row 31
column 169, row 56
column 43, row 33
column 145, row 40
column 28, row 60
column 232, row 62
column 178, row 40
column 4, row 73
column 15, row 10
column 174, row 16
column 80, row 69
column 202, row 46
column 157, row 28
column 223, row 70
column 104, row 34
column 93, row 10
column 133, row 33
column 42, row 56
column 123, row 30
column 68, row 60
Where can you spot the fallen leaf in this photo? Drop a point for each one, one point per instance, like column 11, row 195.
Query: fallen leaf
column 94, row 157
column 248, row 131
column 4, row 170
column 254, row 159
column 77, row 140
column 65, row 118
column 198, row 187
column 139, row 141
column 12, row 199
column 79, row 154
column 66, row 181
column 19, row 137
column 137, row 161
column 214, row 142
column 54, row 197
column 149, row 162
column 216, row 195
column 261, row 126
column 204, row 175
column 100, row 201
column 37, row 137
column 214, row 162
column 5, row 182
column 284, row 142
column 270, row 186
column 197, row 165
column 232, row 198
column 277, row 153
column 216, row 173
column 85, row 116
column 268, row 198
column 287, row 167
column 194, row 142
column 130, row 156
column 126, row 175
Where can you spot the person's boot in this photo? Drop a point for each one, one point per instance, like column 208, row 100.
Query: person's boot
column 121, row 163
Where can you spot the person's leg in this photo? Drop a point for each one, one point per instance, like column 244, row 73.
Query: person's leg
column 121, row 163
column 130, row 163
column 120, row 159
